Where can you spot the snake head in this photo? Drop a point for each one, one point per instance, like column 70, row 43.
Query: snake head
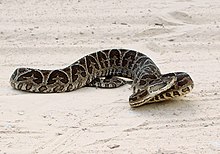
column 143, row 95
column 181, row 85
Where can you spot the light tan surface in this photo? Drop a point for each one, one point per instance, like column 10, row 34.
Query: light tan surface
column 180, row 35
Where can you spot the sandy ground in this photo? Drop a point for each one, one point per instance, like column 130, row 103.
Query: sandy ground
column 179, row 35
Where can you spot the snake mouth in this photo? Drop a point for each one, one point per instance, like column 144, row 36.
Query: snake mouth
column 139, row 98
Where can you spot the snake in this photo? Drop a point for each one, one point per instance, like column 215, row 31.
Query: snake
column 107, row 68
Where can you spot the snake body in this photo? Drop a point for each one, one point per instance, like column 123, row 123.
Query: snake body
column 149, row 85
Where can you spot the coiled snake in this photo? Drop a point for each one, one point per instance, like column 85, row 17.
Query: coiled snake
column 149, row 85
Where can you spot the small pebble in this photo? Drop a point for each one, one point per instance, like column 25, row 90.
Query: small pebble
column 21, row 113
column 124, row 23
column 113, row 146
column 59, row 134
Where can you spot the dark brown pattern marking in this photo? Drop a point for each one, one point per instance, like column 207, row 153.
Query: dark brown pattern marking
column 103, row 61
column 33, row 75
column 77, row 71
column 57, row 76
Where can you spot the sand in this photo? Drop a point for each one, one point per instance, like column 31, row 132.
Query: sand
column 179, row 35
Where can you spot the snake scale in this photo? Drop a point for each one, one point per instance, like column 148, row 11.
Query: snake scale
column 104, row 69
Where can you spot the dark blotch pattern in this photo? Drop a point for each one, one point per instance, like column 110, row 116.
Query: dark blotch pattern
column 102, row 58
column 157, row 97
column 182, row 82
column 37, row 77
column 77, row 70
column 128, row 59
column 168, row 95
column 57, row 75
column 70, row 87
column 162, row 96
column 176, row 93
column 114, row 56
column 42, row 88
column 29, row 86
column 58, row 88
column 91, row 64
column 186, row 90
column 20, row 86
